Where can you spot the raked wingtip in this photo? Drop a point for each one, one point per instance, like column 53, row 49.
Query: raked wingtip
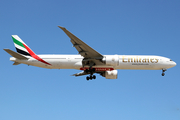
column 61, row 27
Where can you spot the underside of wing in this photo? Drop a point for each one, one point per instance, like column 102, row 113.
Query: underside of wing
column 80, row 74
column 86, row 73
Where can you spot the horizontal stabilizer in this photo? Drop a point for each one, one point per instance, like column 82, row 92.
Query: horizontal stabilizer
column 16, row 63
column 14, row 54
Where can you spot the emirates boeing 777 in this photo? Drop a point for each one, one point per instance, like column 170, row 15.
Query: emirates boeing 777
column 89, row 61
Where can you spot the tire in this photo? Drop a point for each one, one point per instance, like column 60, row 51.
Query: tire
column 163, row 74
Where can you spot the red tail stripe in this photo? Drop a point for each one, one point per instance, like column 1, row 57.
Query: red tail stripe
column 34, row 55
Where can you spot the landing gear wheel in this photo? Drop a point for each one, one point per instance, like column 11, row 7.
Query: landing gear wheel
column 94, row 77
column 91, row 77
column 163, row 74
column 87, row 78
column 163, row 70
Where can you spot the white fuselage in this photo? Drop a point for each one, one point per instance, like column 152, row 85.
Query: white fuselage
column 141, row 62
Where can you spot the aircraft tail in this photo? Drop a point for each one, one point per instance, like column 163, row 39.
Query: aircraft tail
column 16, row 55
column 23, row 51
column 21, row 47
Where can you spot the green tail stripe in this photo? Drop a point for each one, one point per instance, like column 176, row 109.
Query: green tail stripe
column 17, row 42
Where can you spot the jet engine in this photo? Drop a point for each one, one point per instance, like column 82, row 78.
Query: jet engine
column 112, row 60
column 110, row 74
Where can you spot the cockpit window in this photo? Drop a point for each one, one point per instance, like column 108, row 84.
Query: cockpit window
column 170, row 60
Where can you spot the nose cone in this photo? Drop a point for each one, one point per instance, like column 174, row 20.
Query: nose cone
column 174, row 63
column 171, row 64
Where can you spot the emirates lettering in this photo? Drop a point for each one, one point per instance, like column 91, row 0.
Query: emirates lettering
column 139, row 60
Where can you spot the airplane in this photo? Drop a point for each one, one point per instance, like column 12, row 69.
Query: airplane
column 89, row 61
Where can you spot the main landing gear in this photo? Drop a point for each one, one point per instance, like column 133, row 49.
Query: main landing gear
column 163, row 70
column 91, row 71
column 90, row 77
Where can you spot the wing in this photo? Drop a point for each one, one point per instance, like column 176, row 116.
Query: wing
column 83, row 49
column 84, row 73
column 80, row 74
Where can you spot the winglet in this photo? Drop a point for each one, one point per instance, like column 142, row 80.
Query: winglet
column 61, row 27
column 66, row 31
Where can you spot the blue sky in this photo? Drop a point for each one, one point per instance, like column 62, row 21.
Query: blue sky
column 124, row 27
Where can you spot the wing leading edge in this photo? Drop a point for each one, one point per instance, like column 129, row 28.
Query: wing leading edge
column 83, row 49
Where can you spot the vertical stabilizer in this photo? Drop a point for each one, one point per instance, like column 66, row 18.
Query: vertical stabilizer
column 21, row 47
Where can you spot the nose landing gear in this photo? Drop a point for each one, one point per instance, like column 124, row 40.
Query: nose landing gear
column 163, row 70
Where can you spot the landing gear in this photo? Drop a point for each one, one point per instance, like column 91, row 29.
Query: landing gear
column 163, row 70
column 94, row 77
column 163, row 74
column 90, row 71
column 90, row 77
column 87, row 78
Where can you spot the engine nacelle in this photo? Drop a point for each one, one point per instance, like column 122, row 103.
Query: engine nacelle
column 112, row 60
column 110, row 74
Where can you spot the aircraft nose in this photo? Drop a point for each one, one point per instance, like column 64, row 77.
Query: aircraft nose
column 174, row 63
